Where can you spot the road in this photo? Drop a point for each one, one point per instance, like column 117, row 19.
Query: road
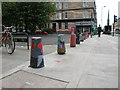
column 22, row 55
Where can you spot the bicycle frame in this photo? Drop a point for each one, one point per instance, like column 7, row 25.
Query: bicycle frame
column 7, row 41
column 5, row 37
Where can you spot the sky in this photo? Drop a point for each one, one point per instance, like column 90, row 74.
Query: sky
column 111, row 5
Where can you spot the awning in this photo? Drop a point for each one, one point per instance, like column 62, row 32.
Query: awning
column 73, row 20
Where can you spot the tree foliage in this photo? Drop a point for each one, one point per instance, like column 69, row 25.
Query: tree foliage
column 29, row 14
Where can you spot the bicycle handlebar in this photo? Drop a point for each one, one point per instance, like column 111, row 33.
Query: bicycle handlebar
column 7, row 28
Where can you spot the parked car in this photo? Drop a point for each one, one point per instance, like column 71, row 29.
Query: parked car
column 40, row 32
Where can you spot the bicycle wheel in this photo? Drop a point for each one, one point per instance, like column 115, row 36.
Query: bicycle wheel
column 10, row 45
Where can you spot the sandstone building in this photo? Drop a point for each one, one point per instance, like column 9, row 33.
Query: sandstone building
column 81, row 15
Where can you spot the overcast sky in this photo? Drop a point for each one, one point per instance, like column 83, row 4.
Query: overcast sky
column 111, row 5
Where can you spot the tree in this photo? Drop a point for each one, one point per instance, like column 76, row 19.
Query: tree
column 9, row 15
column 30, row 14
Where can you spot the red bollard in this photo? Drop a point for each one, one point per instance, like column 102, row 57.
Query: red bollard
column 36, row 60
column 85, row 35
column 73, row 38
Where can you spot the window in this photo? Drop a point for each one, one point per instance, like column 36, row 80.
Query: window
column 65, row 15
column 85, row 14
column 65, row 4
column 85, row 4
column 59, row 5
column 58, row 15
column 66, row 25
column 60, row 25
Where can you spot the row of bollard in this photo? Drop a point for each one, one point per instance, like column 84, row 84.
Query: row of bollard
column 36, row 59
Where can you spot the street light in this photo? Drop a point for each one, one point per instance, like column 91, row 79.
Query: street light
column 102, row 14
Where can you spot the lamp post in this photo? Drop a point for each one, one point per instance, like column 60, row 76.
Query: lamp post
column 102, row 14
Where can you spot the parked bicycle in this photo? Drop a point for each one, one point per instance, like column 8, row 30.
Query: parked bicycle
column 7, row 39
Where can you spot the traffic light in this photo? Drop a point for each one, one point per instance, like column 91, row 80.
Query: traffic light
column 115, row 18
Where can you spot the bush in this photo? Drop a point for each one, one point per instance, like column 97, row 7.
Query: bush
column 48, row 30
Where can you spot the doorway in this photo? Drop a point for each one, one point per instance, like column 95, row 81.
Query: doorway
column 54, row 27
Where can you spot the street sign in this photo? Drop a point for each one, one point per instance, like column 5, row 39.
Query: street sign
column 83, row 23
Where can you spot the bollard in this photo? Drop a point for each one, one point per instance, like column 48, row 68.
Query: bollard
column 73, row 38
column 78, row 38
column 91, row 34
column 88, row 34
column 85, row 35
column 81, row 37
column 36, row 60
column 61, row 44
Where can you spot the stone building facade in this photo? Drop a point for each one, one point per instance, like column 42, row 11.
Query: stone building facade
column 117, row 24
column 81, row 15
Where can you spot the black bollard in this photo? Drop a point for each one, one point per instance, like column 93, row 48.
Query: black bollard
column 77, row 38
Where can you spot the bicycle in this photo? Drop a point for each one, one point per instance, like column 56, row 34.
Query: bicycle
column 7, row 40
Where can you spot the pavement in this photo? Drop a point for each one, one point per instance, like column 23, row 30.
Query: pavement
column 92, row 64
column 11, row 61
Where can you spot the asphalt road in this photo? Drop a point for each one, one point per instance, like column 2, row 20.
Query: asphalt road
column 22, row 55
column 50, row 39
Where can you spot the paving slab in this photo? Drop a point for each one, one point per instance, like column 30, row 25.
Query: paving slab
column 94, row 81
column 92, row 64
column 22, row 79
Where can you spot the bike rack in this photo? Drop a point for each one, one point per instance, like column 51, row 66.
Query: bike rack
column 18, row 37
